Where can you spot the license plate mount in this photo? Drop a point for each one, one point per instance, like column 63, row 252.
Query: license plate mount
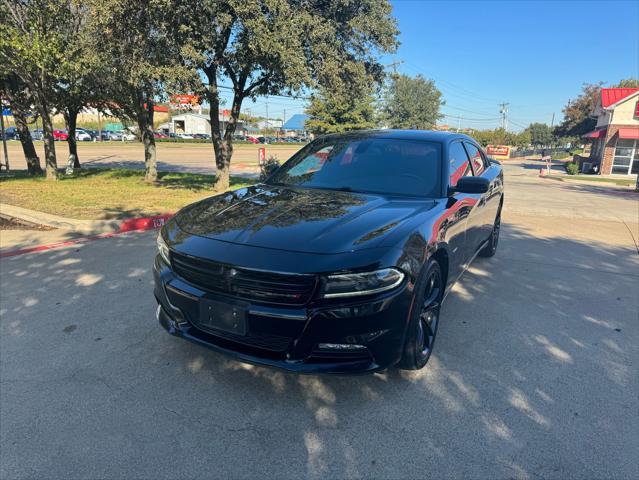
column 226, row 316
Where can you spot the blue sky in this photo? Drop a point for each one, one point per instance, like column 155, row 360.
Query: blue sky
column 534, row 55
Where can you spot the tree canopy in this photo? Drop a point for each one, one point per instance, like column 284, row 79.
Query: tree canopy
column 257, row 47
column 35, row 40
column 578, row 118
column 499, row 136
column 411, row 102
column 540, row 134
column 333, row 111
column 141, row 60
column 628, row 83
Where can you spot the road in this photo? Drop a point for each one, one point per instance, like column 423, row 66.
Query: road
column 534, row 373
column 172, row 157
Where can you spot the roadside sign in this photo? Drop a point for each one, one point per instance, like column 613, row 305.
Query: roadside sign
column 184, row 101
column 261, row 155
column 498, row 151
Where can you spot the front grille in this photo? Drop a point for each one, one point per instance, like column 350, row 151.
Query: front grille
column 340, row 356
column 266, row 287
column 266, row 341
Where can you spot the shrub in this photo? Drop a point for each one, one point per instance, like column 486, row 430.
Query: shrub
column 268, row 167
column 572, row 168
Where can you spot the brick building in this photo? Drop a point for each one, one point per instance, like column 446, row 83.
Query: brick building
column 615, row 145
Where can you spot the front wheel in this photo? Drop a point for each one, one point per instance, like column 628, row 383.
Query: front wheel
column 424, row 321
column 491, row 247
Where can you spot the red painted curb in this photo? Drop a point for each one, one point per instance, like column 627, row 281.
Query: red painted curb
column 146, row 223
column 129, row 225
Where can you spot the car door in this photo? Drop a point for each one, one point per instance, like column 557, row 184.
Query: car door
column 460, row 235
column 486, row 209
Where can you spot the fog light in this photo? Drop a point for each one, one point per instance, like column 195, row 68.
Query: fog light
column 340, row 346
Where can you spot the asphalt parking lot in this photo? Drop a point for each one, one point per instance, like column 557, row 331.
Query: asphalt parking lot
column 534, row 372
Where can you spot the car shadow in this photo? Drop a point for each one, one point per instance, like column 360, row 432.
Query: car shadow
column 533, row 366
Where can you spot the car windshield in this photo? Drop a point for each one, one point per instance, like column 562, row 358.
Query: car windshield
column 366, row 164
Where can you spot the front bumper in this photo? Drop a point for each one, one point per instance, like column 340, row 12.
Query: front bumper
column 290, row 337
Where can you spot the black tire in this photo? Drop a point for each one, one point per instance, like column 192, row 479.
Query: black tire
column 422, row 327
column 491, row 247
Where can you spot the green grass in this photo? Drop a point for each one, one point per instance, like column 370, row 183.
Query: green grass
column 105, row 193
column 596, row 178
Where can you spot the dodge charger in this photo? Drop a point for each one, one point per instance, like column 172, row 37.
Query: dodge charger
column 340, row 261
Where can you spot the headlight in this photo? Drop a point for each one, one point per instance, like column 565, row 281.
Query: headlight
column 353, row 284
column 163, row 249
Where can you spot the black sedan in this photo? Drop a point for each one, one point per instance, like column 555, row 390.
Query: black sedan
column 340, row 261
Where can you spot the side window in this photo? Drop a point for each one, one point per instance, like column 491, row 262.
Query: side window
column 476, row 159
column 459, row 166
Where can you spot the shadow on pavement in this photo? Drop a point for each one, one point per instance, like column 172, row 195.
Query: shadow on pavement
column 534, row 370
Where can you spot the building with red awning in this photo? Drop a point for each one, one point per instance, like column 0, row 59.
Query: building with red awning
column 615, row 146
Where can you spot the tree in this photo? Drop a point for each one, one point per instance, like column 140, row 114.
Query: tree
column 81, row 78
column 540, row 134
column 333, row 111
column 521, row 139
column 411, row 102
column 136, row 44
column 577, row 113
column 15, row 92
column 279, row 46
column 628, row 83
column 33, row 39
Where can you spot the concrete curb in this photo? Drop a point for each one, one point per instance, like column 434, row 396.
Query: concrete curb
column 82, row 226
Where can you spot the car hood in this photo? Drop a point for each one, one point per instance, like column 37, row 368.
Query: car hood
column 301, row 220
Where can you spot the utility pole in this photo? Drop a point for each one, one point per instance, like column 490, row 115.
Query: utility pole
column 504, row 112
column 394, row 65
column 552, row 122
column 266, row 112
column 282, row 124
column 459, row 122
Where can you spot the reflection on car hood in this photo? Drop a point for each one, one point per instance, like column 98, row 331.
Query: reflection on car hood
column 297, row 219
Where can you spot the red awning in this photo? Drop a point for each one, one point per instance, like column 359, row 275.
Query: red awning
column 629, row 133
column 595, row 134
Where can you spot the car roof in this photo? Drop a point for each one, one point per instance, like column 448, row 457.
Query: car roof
column 424, row 135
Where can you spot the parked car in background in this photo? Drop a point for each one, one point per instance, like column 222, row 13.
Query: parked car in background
column 263, row 140
column 185, row 136
column 339, row 262
column 95, row 134
column 160, row 135
column 127, row 135
column 11, row 133
column 60, row 135
column 239, row 138
column 37, row 134
column 82, row 135
column 115, row 136
column 202, row 136
column 252, row 139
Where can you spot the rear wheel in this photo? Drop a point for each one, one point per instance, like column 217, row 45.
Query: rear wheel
column 424, row 321
column 491, row 247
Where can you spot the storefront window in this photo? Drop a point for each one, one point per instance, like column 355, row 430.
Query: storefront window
column 626, row 159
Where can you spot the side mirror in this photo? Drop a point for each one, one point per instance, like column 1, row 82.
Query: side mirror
column 472, row 185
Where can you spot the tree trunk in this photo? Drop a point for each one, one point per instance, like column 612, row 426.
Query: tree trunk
column 145, row 124
column 30, row 155
column 223, row 141
column 49, row 144
column 71, row 119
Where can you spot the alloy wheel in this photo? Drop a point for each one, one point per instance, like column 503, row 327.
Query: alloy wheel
column 429, row 316
column 495, row 235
